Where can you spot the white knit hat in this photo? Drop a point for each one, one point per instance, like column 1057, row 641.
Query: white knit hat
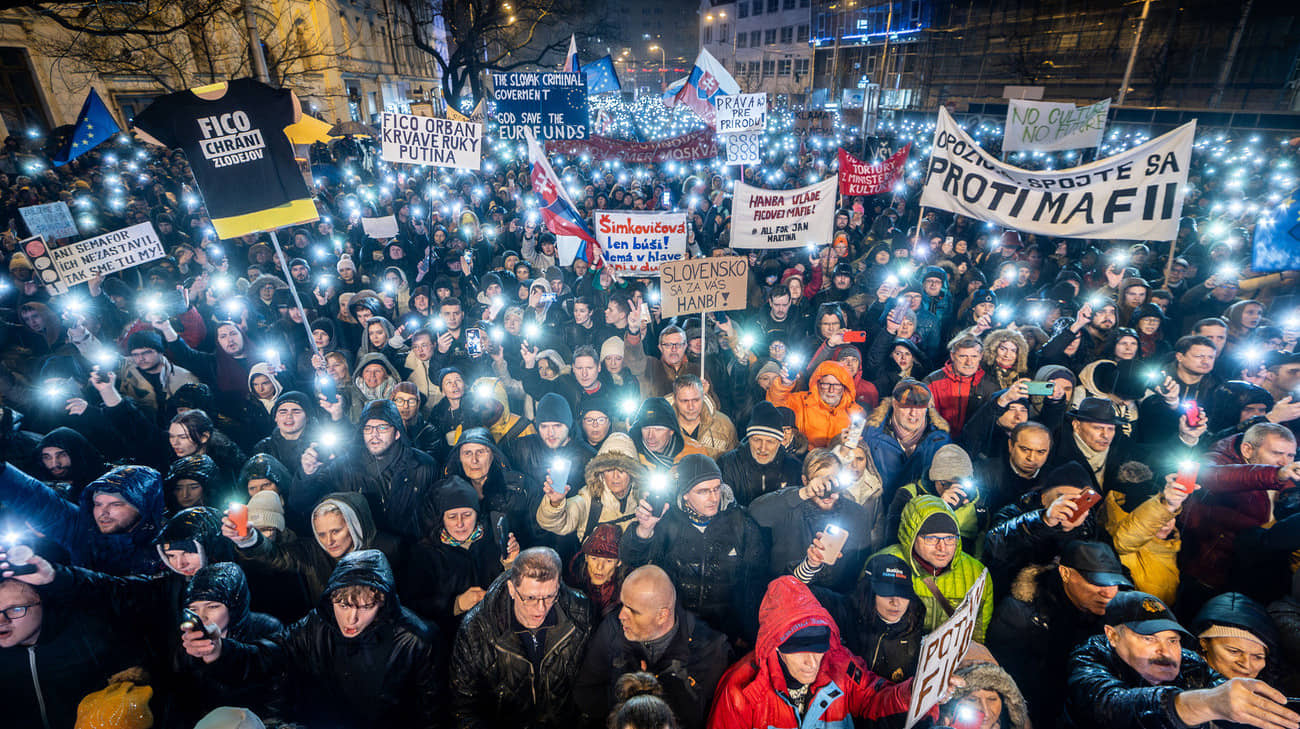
column 266, row 509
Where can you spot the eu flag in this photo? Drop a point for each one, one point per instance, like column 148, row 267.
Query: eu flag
column 1277, row 237
column 95, row 124
column 601, row 77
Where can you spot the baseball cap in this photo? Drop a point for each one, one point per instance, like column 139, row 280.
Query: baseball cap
column 1096, row 562
column 1141, row 613
column 890, row 577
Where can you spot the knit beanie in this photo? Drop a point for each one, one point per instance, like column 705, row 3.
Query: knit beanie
column 602, row 542
column 266, row 509
column 385, row 410
column 693, row 469
column 950, row 463
column 145, row 339
column 765, row 420
column 910, row 393
column 1071, row 473
column 456, row 493
column 345, row 262
column 612, row 346
column 940, row 522
column 553, row 408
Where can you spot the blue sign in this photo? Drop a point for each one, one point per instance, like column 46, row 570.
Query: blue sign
column 1277, row 237
column 551, row 103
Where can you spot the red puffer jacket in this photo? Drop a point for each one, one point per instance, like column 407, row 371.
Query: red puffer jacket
column 956, row 397
column 752, row 693
column 1234, row 498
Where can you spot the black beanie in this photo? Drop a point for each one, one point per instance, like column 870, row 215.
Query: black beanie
column 765, row 419
column 693, row 469
column 298, row 398
column 1070, row 473
column 145, row 339
column 385, row 410
column 455, row 493
column 940, row 522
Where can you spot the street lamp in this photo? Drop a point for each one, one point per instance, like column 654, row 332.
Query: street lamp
column 662, row 62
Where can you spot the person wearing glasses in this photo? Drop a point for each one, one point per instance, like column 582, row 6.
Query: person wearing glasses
column 942, row 574
column 826, row 408
column 518, row 651
column 359, row 659
column 149, row 378
column 390, row 471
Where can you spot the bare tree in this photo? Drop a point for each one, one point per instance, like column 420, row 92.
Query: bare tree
column 491, row 35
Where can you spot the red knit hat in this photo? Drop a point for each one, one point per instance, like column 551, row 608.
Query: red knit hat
column 602, row 542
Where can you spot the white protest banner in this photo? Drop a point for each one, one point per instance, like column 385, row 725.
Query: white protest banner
column 1050, row 126
column 1135, row 195
column 428, row 140
column 636, row 243
column 50, row 221
column 719, row 283
column 745, row 148
column 741, row 113
column 66, row 266
column 942, row 650
column 783, row 218
column 377, row 228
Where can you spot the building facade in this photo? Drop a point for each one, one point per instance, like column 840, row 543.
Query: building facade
column 764, row 43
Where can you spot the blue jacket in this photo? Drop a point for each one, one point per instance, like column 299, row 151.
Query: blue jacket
column 895, row 467
column 72, row 526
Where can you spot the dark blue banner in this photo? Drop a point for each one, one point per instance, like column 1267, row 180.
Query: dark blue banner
column 551, row 103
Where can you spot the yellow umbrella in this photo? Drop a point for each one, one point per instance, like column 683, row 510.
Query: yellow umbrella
column 308, row 130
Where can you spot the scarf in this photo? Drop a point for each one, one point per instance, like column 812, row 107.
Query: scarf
column 446, row 538
column 699, row 520
column 907, row 441
column 1096, row 460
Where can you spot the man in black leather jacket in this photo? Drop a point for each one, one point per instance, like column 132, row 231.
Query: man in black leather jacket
column 1138, row 676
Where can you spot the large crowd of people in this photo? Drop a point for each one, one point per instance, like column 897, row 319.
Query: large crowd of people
column 450, row 478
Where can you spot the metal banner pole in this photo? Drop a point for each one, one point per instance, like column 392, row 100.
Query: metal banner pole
column 288, row 278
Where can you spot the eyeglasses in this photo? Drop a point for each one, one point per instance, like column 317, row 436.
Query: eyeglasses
column 595, row 420
column 672, row 345
column 406, row 400
column 375, row 429
column 17, row 611
column 544, row 600
column 831, row 385
column 934, row 541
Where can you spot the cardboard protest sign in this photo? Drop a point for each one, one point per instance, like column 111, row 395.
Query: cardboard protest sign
column 636, row 243
column 1134, row 195
column 720, row 283
column 551, row 103
column 383, row 227
column 1049, row 126
column 424, row 108
column 66, row 266
column 745, row 148
column 741, row 113
column 50, row 221
column 427, row 140
column 942, row 650
column 783, row 218
column 859, row 178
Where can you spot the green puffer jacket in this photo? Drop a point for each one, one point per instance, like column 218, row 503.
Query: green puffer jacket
column 954, row 582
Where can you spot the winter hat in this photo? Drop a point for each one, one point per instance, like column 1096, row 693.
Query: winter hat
column 1070, row 473
column 983, row 296
column 385, row 410
column 442, row 374
column 940, row 522
column 123, row 705
column 196, row 467
column 593, row 404
column 765, row 420
column 345, row 261
column 612, row 346
column 951, row 463
column 812, row 639
column 266, row 509
column 553, row 408
column 145, row 339
column 298, row 398
column 223, row 582
column 602, row 542
column 228, row 717
column 771, row 367
column 889, row 576
column 455, row 493
column 407, row 388
column 910, row 393
column 554, row 274
column 694, row 469
column 788, row 419
column 1234, row 615
column 1055, row 372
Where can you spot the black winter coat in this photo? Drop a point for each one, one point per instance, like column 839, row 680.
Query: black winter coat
column 749, row 479
column 890, row 651
column 718, row 572
column 1020, row 537
column 688, row 669
column 1033, row 631
column 391, row 676
column 392, row 484
column 494, row 684
column 1104, row 692
column 789, row 524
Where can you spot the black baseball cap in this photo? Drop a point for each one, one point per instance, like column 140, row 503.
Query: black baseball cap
column 890, row 577
column 1096, row 562
column 1142, row 613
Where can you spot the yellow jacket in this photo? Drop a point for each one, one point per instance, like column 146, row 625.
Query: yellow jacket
column 1152, row 562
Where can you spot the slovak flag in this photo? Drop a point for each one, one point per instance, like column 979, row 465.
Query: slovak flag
column 708, row 81
column 558, row 211
column 571, row 60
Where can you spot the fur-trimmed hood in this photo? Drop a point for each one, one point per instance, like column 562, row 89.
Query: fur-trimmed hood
column 991, row 677
column 617, row 452
column 1029, row 581
column 995, row 338
column 882, row 412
